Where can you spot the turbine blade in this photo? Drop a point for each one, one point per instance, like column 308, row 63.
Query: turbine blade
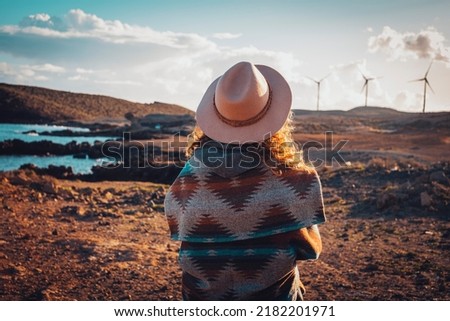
column 364, row 86
column 421, row 79
column 329, row 74
column 428, row 84
column 373, row 78
column 313, row 80
column 362, row 74
column 428, row 70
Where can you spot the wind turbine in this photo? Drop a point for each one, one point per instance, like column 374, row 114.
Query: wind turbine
column 366, row 84
column 318, row 82
column 425, row 84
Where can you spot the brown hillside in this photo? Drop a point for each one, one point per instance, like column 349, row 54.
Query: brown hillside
column 38, row 105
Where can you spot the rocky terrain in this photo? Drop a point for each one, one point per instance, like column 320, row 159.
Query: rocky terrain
column 387, row 238
column 70, row 240
column 103, row 236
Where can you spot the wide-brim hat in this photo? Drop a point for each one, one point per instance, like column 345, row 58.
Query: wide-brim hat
column 248, row 103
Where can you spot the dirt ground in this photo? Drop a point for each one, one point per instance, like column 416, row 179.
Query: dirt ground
column 386, row 238
column 87, row 241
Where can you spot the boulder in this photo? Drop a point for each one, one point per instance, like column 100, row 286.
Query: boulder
column 73, row 210
column 49, row 187
column 20, row 178
column 67, row 193
column 439, row 176
column 425, row 199
column 386, row 200
column 109, row 196
column 86, row 191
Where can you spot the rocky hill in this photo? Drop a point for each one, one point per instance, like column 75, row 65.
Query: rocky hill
column 26, row 104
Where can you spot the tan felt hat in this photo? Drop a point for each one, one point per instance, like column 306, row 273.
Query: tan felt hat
column 248, row 103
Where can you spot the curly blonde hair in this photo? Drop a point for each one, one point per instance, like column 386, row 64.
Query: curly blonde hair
column 280, row 150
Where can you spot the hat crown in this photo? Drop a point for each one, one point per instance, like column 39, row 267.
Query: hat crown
column 248, row 103
column 241, row 93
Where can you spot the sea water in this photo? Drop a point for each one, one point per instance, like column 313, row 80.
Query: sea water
column 79, row 166
column 16, row 131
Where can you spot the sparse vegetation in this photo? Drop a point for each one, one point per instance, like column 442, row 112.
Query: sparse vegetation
column 25, row 104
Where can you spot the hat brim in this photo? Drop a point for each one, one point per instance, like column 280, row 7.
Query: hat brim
column 210, row 123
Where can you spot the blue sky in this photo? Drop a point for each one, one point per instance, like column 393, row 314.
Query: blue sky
column 171, row 50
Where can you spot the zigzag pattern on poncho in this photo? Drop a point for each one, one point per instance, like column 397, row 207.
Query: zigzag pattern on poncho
column 202, row 206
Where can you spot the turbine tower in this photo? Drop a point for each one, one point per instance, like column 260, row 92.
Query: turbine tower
column 318, row 82
column 366, row 84
column 425, row 84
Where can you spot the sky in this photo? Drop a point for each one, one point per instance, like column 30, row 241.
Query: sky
column 171, row 50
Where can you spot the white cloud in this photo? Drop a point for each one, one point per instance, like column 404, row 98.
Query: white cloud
column 408, row 100
column 118, row 82
column 426, row 44
column 86, row 40
column 369, row 29
column 41, row 78
column 84, row 71
column 40, row 17
column 77, row 78
column 6, row 69
column 26, row 74
column 129, row 61
column 42, row 20
column 78, row 24
column 47, row 68
column 226, row 35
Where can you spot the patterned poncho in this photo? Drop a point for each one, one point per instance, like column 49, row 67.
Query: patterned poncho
column 234, row 216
